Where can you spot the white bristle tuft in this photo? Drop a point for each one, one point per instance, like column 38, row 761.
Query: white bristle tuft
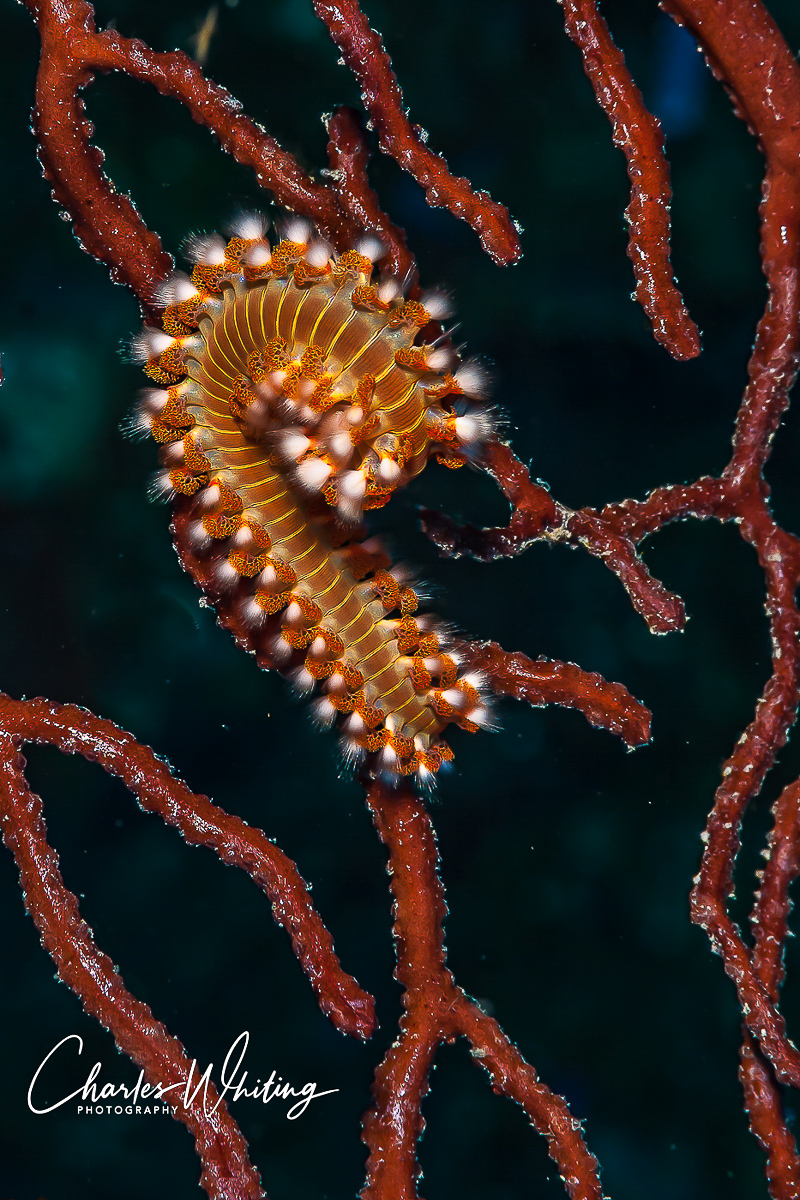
column 303, row 681
column 243, row 537
column 208, row 249
column 455, row 697
column 173, row 453
column 440, row 359
column 473, row 379
column 296, row 229
column 355, row 723
column 175, row 290
column 336, row 683
column 153, row 399
column 292, row 444
column 293, row 614
column 389, row 290
column 313, row 472
column 257, row 416
column 482, row 716
column 138, row 425
column 324, row 711
column 249, row 226
column 389, row 472
column 351, row 751
column 160, row 487
column 209, row 496
column 149, row 343
column 402, row 574
column 318, row 254
column 198, row 536
column 258, row 255
column 268, row 578
column 341, row 445
column 475, row 426
column 371, row 247
column 280, row 650
column 350, row 494
column 437, row 304
column 318, row 647
column 352, row 485
column 270, row 387
column 252, row 613
column 225, row 575
column 388, row 757
column 475, row 679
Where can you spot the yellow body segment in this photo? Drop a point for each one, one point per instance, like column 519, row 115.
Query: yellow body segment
column 249, row 320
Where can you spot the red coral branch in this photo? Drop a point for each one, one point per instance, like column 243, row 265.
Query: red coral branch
column 746, row 51
column 107, row 224
column 536, row 516
column 638, row 132
column 348, row 154
column 736, row 35
column 435, row 1010
column 605, row 705
column 743, row 775
column 769, row 921
column 364, row 53
column 73, row 730
column 221, row 1148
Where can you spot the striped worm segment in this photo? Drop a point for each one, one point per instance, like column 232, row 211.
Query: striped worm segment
column 296, row 391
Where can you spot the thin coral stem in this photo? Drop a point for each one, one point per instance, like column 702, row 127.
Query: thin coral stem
column 221, row 1148
column 768, row 99
column 364, row 53
column 348, row 154
column 537, row 516
column 107, row 224
column 73, row 730
column 638, row 132
column 435, row 1010
column 743, row 775
column 605, row 705
column 763, row 1105
column 513, row 1077
column 769, row 921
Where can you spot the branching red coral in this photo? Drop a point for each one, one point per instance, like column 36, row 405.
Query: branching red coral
column 226, row 1168
column 363, row 52
column 747, row 52
column 348, row 154
column 536, row 515
column 638, row 132
column 605, row 705
column 75, row 731
column 436, row 1010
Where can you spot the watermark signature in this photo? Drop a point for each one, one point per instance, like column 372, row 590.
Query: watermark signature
column 141, row 1097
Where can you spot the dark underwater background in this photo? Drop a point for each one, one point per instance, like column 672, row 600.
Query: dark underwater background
column 567, row 862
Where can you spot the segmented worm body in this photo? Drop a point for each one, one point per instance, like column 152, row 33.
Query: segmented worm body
column 295, row 393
